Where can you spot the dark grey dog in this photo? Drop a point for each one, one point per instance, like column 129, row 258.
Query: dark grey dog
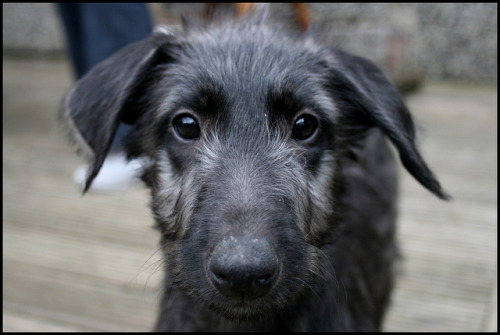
column 272, row 184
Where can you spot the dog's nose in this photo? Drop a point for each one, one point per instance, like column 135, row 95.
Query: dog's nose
column 243, row 268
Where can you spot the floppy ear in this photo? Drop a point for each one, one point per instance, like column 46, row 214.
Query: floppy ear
column 105, row 96
column 369, row 98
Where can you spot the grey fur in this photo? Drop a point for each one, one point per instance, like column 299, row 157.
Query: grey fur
column 261, row 229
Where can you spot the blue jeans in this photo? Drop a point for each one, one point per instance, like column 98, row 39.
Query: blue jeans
column 96, row 30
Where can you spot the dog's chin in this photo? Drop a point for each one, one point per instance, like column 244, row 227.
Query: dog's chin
column 244, row 311
column 252, row 311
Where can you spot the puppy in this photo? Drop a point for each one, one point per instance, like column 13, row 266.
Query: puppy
column 272, row 185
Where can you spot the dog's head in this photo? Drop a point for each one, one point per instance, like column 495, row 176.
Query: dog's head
column 242, row 127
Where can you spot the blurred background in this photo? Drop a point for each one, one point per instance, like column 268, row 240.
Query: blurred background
column 91, row 263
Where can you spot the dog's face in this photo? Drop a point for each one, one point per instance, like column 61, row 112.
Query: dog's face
column 242, row 129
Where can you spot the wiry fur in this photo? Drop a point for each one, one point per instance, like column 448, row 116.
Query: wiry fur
column 323, row 208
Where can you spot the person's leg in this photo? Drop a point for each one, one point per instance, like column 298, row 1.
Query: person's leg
column 96, row 30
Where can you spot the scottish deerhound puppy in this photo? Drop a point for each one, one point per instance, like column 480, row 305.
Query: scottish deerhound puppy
column 272, row 185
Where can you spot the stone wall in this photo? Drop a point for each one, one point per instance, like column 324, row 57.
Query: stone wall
column 31, row 29
column 441, row 41
column 456, row 41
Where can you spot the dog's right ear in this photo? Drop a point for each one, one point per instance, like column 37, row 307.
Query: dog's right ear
column 100, row 100
column 368, row 99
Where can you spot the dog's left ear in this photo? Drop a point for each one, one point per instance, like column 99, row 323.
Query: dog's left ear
column 367, row 98
column 109, row 94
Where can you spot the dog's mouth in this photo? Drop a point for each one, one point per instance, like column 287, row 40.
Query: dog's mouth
column 244, row 308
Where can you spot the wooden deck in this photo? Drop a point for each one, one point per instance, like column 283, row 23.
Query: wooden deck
column 91, row 263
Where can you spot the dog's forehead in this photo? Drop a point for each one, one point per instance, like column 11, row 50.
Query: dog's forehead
column 249, row 55
column 247, row 65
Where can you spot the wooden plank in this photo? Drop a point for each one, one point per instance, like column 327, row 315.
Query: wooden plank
column 92, row 263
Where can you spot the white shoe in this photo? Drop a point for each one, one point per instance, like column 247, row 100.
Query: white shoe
column 115, row 174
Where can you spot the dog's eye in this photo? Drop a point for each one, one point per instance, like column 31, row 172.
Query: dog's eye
column 304, row 127
column 186, row 127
